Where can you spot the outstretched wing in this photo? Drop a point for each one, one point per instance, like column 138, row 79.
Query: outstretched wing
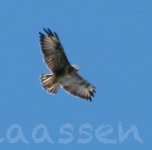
column 77, row 86
column 53, row 52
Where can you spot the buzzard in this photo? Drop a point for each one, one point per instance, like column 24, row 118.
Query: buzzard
column 64, row 74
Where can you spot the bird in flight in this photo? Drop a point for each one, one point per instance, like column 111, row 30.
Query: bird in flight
column 63, row 74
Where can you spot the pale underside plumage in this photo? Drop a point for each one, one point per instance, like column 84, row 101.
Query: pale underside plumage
column 63, row 73
column 77, row 86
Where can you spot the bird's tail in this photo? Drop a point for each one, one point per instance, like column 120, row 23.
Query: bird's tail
column 49, row 84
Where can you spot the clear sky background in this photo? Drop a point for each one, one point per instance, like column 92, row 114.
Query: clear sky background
column 110, row 41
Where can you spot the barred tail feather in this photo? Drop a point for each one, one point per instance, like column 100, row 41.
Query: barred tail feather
column 49, row 84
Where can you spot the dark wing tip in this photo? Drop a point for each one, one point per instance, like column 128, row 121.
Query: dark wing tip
column 90, row 99
column 41, row 34
column 91, row 93
column 48, row 31
column 56, row 35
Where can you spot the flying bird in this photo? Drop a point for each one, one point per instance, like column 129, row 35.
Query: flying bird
column 63, row 74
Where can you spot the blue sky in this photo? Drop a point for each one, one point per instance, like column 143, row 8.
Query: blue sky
column 110, row 41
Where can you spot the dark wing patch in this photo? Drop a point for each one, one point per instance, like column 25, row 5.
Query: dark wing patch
column 53, row 52
column 77, row 86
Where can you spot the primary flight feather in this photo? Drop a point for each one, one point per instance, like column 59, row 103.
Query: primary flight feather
column 64, row 74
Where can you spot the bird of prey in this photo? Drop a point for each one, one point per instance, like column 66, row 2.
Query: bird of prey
column 63, row 74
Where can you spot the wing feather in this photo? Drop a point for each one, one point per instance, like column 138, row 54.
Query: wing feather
column 53, row 52
column 77, row 86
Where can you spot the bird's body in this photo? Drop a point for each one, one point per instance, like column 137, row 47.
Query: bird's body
column 64, row 74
